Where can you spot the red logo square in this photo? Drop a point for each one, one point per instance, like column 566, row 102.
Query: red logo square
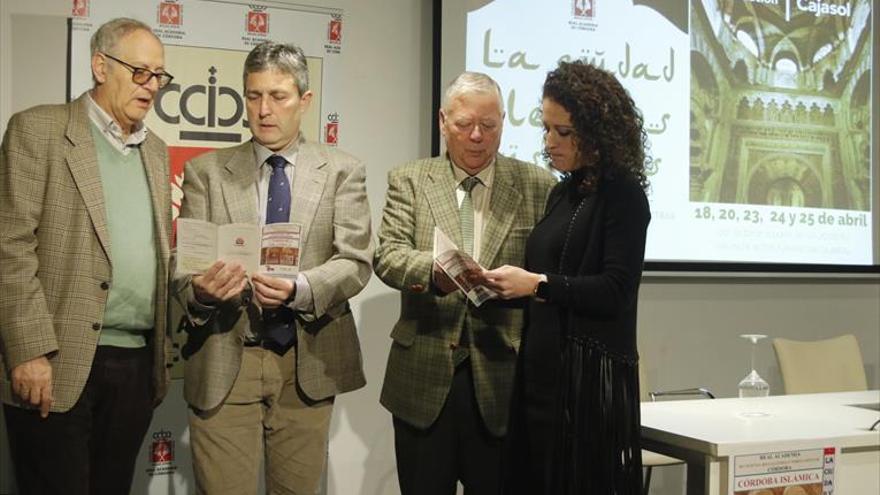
column 80, row 8
column 258, row 22
column 162, row 451
column 331, row 133
column 334, row 32
column 584, row 8
column 169, row 14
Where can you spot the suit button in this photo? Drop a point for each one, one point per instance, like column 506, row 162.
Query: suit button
column 105, row 285
column 417, row 288
column 96, row 326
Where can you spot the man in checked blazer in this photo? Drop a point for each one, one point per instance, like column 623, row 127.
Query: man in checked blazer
column 256, row 394
column 450, row 371
column 85, row 222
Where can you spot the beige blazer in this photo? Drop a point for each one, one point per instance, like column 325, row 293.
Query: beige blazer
column 329, row 199
column 421, row 195
column 55, row 258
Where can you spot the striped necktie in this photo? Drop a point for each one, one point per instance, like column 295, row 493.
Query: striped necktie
column 466, row 219
column 466, row 214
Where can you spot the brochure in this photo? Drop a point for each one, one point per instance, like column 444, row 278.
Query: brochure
column 457, row 265
column 273, row 249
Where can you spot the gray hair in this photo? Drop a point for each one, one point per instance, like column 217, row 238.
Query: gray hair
column 283, row 57
column 472, row 83
column 108, row 35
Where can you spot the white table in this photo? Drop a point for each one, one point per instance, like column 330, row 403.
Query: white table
column 708, row 433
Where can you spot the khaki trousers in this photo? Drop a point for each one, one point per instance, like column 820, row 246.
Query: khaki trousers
column 265, row 418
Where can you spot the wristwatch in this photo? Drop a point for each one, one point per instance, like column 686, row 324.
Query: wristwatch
column 541, row 288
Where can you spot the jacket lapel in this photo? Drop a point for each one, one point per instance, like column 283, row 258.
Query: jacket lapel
column 503, row 205
column 239, row 192
column 308, row 185
column 82, row 159
column 441, row 199
column 159, row 181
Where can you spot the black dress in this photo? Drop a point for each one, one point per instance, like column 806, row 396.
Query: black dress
column 575, row 415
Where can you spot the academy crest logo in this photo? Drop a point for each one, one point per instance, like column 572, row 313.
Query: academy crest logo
column 162, row 450
column 170, row 14
column 80, row 8
column 583, row 9
column 161, row 454
column 334, row 31
column 331, row 130
column 258, row 22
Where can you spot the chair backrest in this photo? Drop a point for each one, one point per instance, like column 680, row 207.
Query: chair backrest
column 643, row 382
column 648, row 394
column 832, row 365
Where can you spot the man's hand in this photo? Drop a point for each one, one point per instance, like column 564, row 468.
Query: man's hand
column 442, row 283
column 32, row 381
column 272, row 292
column 222, row 282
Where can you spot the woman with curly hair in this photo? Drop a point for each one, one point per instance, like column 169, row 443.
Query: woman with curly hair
column 575, row 416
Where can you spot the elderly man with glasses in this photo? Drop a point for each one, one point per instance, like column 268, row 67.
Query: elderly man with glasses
column 85, row 222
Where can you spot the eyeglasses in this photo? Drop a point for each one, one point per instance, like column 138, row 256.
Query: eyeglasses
column 140, row 75
column 467, row 127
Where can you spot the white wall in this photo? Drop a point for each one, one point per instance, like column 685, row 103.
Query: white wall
column 688, row 326
column 29, row 30
column 387, row 50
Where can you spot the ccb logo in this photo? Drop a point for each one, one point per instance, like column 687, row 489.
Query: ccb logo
column 214, row 125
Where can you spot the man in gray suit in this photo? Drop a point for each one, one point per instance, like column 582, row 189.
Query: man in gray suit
column 265, row 356
column 450, row 371
column 85, row 222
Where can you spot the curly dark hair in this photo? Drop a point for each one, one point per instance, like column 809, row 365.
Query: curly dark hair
column 605, row 120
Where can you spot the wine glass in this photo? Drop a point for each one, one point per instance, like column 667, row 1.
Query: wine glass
column 753, row 385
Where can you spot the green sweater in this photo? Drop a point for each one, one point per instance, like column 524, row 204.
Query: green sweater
column 130, row 304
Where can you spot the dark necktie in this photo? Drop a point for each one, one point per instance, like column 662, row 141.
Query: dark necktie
column 278, row 323
column 278, row 203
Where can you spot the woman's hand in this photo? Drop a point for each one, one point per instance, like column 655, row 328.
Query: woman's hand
column 511, row 282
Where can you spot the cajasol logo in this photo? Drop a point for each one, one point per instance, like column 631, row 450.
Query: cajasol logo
column 816, row 7
column 819, row 8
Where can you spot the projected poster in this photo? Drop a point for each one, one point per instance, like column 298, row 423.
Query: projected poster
column 758, row 114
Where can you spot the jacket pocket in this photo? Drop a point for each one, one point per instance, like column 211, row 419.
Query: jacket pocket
column 403, row 334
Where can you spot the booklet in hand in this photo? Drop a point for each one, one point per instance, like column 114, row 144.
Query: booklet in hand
column 273, row 249
column 457, row 265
